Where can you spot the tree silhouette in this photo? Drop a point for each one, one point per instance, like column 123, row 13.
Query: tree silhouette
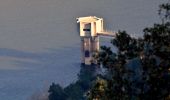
column 150, row 78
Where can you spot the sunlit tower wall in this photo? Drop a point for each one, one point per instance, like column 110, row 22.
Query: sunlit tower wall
column 88, row 29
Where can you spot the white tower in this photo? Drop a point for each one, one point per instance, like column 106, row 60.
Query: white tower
column 89, row 28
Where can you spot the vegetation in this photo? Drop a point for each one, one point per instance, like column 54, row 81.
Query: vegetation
column 140, row 70
column 77, row 90
column 150, row 78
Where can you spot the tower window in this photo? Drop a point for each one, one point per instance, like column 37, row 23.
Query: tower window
column 87, row 53
column 86, row 30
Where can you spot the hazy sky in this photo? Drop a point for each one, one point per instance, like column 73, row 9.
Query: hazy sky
column 35, row 25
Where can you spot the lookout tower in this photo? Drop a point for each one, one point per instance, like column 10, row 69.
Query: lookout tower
column 90, row 29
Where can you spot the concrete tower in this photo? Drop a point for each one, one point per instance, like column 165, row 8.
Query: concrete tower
column 89, row 28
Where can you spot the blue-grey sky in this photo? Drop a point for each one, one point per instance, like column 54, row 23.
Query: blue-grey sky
column 34, row 25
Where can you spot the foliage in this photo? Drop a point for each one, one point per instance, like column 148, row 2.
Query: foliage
column 152, row 81
column 56, row 92
column 98, row 90
column 74, row 91
column 127, row 45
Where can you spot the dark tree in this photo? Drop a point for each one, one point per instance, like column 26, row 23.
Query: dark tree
column 56, row 92
column 147, row 80
column 76, row 90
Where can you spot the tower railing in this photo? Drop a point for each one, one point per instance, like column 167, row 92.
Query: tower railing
column 109, row 33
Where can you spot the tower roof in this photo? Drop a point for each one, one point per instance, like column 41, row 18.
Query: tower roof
column 88, row 19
